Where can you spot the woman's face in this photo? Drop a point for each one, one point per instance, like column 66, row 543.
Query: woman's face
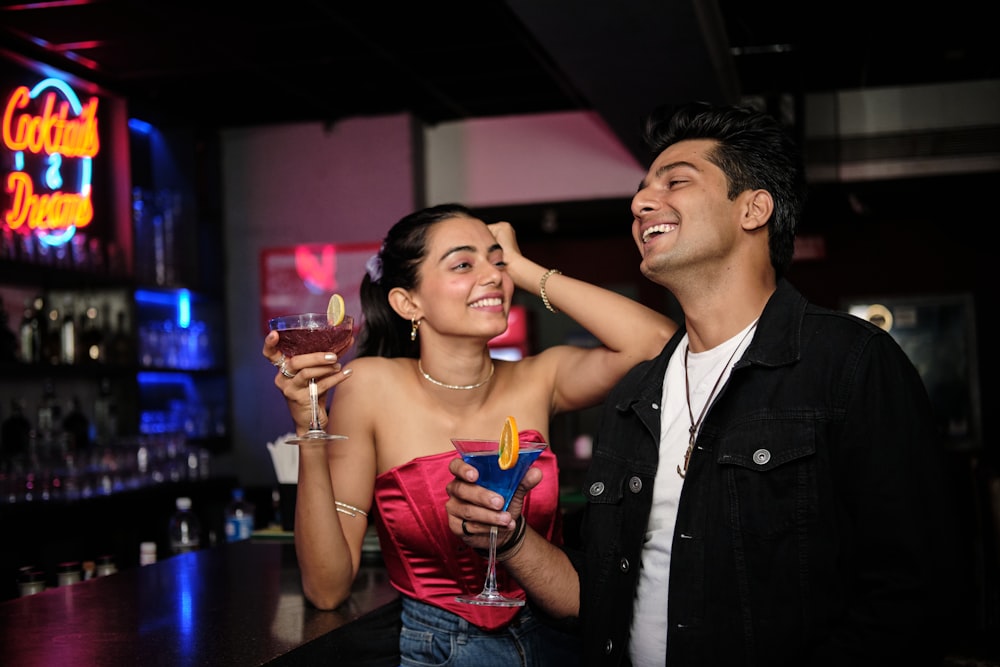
column 464, row 288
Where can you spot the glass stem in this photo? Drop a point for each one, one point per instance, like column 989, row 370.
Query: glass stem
column 490, row 587
column 314, row 401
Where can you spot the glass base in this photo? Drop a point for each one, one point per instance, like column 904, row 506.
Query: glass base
column 314, row 437
column 488, row 600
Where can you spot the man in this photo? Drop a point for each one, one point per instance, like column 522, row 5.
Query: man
column 765, row 491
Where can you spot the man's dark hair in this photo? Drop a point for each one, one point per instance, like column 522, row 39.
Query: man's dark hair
column 754, row 151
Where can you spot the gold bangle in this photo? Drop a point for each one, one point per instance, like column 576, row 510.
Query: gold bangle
column 541, row 289
column 349, row 510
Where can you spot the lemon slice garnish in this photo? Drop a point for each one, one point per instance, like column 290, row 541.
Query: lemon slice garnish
column 510, row 444
column 335, row 310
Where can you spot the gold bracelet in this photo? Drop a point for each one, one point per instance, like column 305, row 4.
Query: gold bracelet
column 541, row 289
column 349, row 510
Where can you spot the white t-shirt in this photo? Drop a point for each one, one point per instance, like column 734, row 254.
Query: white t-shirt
column 648, row 641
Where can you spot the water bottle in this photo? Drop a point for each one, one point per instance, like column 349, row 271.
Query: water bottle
column 185, row 528
column 239, row 518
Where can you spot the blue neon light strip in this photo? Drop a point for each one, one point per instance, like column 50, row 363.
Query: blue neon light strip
column 179, row 300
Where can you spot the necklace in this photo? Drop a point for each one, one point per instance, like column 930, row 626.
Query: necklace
column 693, row 430
column 455, row 386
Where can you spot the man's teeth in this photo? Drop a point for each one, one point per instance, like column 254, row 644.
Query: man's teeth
column 655, row 229
column 482, row 303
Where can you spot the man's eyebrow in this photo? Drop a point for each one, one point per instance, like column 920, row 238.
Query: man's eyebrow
column 668, row 167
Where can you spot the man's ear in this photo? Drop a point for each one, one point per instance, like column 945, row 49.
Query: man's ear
column 759, row 206
column 403, row 304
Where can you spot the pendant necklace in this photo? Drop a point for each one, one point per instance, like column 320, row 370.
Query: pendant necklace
column 693, row 430
column 456, row 386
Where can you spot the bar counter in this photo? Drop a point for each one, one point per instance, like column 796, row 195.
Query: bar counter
column 238, row 603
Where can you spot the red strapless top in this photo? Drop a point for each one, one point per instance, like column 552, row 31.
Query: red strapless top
column 429, row 563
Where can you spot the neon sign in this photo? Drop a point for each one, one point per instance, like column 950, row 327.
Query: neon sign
column 52, row 138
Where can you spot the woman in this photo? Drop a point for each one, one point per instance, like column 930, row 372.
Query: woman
column 437, row 292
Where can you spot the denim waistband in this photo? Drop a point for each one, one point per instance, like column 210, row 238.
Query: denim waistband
column 420, row 615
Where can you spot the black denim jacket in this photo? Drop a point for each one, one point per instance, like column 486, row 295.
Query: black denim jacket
column 810, row 528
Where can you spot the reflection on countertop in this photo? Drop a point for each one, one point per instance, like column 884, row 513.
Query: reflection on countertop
column 234, row 604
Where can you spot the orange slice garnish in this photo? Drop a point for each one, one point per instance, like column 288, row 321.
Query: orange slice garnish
column 335, row 310
column 510, row 444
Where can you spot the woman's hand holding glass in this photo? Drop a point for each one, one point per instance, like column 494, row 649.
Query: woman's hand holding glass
column 294, row 375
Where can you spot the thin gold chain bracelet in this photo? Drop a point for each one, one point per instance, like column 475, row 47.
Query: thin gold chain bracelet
column 541, row 289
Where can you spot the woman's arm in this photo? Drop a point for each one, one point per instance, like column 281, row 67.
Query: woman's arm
column 629, row 332
column 328, row 540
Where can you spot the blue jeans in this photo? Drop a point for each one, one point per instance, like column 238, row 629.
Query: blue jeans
column 431, row 637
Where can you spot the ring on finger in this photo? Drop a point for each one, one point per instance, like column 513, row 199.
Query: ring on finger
column 284, row 370
column 466, row 530
column 279, row 363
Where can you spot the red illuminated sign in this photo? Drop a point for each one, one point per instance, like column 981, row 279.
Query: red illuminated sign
column 52, row 137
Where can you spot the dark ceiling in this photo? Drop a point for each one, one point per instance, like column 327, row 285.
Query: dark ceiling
column 236, row 63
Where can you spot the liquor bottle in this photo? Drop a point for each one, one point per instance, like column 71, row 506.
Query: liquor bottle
column 48, row 413
column 15, row 433
column 76, row 427
column 8, row 339
column 184, row 528
column 105, row 414
column 31, row 340
column 67, row 335
column 52, row 335
column 120, row 345
column 91, row 338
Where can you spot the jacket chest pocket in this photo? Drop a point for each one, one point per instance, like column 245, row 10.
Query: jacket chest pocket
column 770, row 472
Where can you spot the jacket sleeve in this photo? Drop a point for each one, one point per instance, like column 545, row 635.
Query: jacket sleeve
column 895, row 492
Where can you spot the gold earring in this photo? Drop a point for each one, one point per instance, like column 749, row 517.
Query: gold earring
column 414, row 325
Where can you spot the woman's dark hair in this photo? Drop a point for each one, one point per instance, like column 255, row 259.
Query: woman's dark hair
column 385, row 333
column 754, row 152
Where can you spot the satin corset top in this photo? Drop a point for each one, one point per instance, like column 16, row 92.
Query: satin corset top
column 425, row 560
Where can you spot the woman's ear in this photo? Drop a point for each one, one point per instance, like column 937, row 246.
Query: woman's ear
column 403, row 304
column 759, row 207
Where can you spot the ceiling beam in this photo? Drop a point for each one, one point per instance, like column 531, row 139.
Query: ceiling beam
column 629, row 56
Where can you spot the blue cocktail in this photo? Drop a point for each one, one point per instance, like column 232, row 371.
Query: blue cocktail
column 483, row 455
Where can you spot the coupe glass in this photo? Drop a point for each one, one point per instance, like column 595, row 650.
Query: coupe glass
column 306, row 333
column 483, row 455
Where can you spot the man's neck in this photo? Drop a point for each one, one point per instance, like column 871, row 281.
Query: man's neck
column 714, row 316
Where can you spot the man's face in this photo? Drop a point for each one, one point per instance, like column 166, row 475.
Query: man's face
column 683, row 220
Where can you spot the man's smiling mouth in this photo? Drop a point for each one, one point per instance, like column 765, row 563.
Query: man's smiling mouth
column 656, row 230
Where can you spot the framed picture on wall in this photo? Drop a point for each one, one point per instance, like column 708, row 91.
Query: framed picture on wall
column 938, row 334
column 301, row 278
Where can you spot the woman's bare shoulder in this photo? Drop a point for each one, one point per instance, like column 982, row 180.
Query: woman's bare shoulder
column 375, row 371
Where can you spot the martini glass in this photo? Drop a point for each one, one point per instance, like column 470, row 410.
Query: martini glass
column 484, row 456
column 306, row 333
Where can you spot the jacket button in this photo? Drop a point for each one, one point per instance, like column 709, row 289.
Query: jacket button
column 623, row 565
column 635, row 484
column 597, row 488
column 761, row 457
column 608, row 646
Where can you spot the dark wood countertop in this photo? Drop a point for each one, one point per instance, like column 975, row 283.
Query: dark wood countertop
column 233, row 604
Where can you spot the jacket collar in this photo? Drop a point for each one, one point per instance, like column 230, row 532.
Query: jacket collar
column 777, row 342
